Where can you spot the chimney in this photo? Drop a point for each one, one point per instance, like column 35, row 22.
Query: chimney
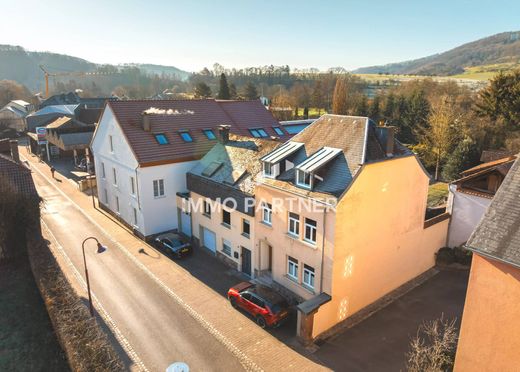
column 146, row 122
column 223, row 133
column 385, row 135
column 14, row 150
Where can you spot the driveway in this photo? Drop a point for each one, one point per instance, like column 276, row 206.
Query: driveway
column 380, row 342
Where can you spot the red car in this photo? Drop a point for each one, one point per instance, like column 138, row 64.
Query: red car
column 268, row 307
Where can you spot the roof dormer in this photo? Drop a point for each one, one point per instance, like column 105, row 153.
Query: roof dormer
column 305, row 171
column 275, row 163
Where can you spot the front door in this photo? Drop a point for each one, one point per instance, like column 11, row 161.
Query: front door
column 185, row 224
column 209, row 240
column 246, row 261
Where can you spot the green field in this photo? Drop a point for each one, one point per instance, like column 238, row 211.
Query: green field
column 486, row 72
column 437, row 194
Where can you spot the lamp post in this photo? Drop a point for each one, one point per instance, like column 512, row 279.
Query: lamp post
column 100, row 249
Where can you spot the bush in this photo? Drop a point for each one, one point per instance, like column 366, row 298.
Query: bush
column 445, row 256
column 462, row 255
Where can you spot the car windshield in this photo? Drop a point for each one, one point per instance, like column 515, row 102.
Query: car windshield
column 173, row 243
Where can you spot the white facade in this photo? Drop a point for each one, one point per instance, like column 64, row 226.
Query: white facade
column 130, row 193
column 466, row 212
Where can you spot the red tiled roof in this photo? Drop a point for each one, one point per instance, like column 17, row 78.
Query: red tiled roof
column 194, row 116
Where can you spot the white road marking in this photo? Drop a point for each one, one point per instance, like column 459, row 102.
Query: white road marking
column 246, row 362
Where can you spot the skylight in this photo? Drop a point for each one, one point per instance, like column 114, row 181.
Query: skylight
column 209, row 133
column 279, row 131
column 161, row 139
column 258, row 133
column 186, row 136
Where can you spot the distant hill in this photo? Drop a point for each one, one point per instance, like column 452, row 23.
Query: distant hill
column 23, row 66
column 503, row 48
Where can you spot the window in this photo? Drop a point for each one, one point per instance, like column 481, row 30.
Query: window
column 258, row 133
column 132, row 185
column 186, row 136
column 267, row 213
column 310, row 231
column 279, row 131
column 117, row 204
column 303, row 179
column 226, row 247
column 161, row 139
column 226, row 218
column 268, row 169
column 111, row 143
column 246, row 229
column 103, row 174
column 308, row 276
column 258, row 302
column 209, row 133
column 207, row 209
column 292, row 268
column 294, row 224
column 114, row 173
column 105, row 194
column 158, row 188
column 135, row 216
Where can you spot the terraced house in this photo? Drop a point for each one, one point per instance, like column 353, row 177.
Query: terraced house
column 220, row 200
column 143, row 149
column 342, row 220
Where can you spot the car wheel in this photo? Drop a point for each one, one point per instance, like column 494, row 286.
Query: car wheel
column 233, row 302
column 260, row 320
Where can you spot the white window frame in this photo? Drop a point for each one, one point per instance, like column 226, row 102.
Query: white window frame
column 311, row 229
column 207, row 208
column 227, row 243
column 293, row 224
column 309, row 276
column 114, row 175
column 132, row 185
column 111, row 140
column 292, row 268
column 244, row 222
column 223, row 214
column 270, row 167
column 267, row 213
column 303, row 184
column 158, row 185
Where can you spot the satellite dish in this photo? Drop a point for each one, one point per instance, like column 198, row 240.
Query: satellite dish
column 178, row 367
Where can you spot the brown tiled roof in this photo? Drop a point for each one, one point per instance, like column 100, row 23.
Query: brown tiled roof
column 5, row 146
column 490, row 155
column 498, row 233
column 15, row 177
column 194, row 116
column 488, row 165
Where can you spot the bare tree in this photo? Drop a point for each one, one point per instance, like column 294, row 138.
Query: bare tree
column 433, row 348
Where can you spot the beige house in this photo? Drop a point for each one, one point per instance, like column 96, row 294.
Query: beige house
column 341, row 219
column 218, row 211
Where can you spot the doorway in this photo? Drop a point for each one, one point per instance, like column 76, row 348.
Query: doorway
column 246, row 261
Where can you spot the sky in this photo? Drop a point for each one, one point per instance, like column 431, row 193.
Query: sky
column 239, row 33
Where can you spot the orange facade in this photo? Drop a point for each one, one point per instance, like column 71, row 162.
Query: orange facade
column 490, row 332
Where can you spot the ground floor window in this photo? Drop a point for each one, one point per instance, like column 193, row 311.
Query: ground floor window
column 135, row 216
column 308, row 276
column 292, row 268
column 117, row 204
column 226, row 247
column 105, row 194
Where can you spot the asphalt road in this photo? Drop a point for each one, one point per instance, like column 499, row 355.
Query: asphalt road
column 157, row 327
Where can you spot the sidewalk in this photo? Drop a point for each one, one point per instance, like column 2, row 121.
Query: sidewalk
column 229, row 326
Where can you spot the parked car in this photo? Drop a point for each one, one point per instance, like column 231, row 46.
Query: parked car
column 173, row 245
column 268, row 307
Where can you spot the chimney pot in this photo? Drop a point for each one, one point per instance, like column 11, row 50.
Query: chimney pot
column 14, row 150
column 146, row 122
column 223, row 133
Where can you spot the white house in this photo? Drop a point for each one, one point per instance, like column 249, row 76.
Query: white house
column 13, row 114
column 470, row 196
column 143, row 149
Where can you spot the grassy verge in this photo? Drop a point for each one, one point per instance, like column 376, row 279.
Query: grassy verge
column 437, row 194
column 27, row 339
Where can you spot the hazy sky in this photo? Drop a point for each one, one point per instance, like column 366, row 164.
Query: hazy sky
column 193, row 34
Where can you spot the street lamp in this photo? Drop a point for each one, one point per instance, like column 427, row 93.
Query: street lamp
column 100, row 249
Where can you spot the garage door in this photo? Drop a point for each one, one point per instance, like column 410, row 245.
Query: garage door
column 209, row 240
column 185, row 224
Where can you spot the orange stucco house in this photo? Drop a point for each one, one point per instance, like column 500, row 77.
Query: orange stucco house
column 341, row 219
column 490, row 331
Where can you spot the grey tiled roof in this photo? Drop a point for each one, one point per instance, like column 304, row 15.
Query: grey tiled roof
column 15, row 177
column 498, row 233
